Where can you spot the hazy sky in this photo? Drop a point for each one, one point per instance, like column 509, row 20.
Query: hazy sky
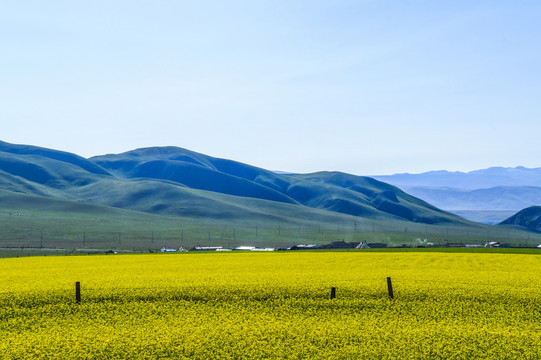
column 365, row 87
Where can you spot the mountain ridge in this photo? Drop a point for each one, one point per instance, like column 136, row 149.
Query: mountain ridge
column 485, row 195
column 173, row 180
column 529, row 218
column 475, row 179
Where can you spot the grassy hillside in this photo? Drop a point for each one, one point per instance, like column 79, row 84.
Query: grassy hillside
column 336, row 192
column 30, row 221
column 529, row 218
column 359, row 191
column 152, row 197
column 60, row 156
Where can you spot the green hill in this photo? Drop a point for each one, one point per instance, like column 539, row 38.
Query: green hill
column 364, row 196
column 332, row 191
column 173, row 194
column 43, row 153
column 529, row 218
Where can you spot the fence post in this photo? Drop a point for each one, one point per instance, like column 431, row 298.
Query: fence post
column 390, row 288
column 333, row 293
column 78, row 292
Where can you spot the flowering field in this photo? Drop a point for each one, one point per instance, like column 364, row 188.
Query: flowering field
column 272, row 305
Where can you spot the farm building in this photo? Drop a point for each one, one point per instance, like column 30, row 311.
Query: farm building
column 166, row 249
column 362, row 245
column 341, row 245
column 205, row 248
column 244, row 248
column 304, row 247
column 377, row 245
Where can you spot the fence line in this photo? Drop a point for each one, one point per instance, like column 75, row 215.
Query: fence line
column 116, row 293
column 411, row 235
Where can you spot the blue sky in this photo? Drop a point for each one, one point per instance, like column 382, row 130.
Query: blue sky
column 365, row 87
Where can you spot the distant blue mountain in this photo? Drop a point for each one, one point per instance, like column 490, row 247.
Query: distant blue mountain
column 494, row 198
column 478, row 179
column 497, row 191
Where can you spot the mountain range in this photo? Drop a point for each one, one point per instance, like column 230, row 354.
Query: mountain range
column 477, row 179
column 488, row 195
column 181, row 184
column 178, row 182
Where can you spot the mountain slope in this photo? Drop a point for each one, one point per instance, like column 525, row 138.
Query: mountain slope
column 337, row 192
column 56, row 193
column 529, row 218
column 179, row 182
column 363, row 196
column 60, row 156
column 192, row 170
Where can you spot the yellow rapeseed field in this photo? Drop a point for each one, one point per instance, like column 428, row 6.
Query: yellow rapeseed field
column 272, row 306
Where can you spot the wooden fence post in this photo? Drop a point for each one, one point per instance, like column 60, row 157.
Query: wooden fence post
column 333, row 293
column 390, row 288
column 78, row 292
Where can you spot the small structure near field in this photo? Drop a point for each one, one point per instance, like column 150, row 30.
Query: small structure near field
column 341, row 245
column 205, row 248
column 244, row 248
column 362, row 245
column 166, row 249
column 304, row 247
column 263, row 249
column 377, row 245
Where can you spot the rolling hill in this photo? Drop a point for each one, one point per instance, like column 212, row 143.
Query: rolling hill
column 179, row 182
column 529, row 218
column 176, row 192
column 330, row 191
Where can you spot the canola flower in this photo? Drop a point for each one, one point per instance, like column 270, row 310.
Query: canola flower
column 272, row 306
